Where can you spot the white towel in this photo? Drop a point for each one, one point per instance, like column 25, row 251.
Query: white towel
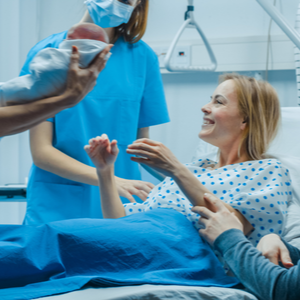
column 48, row 72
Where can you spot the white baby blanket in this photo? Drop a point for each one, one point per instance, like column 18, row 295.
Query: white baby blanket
column 48, row 72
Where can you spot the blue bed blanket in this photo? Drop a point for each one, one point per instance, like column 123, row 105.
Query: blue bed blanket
column 155, row 247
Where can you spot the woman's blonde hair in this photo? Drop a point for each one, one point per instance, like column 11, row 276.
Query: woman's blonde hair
column 135, row 29
column 259, row 105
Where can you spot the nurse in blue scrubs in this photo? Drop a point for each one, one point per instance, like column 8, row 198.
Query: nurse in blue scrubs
column 127, row 99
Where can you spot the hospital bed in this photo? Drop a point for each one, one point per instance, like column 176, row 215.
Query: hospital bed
column 286, row 147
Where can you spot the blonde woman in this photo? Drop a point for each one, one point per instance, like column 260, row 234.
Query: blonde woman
column 241, row 119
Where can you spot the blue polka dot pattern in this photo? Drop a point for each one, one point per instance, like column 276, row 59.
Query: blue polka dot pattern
column 247, row 187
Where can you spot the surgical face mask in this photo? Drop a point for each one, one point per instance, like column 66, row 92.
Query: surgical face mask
column 109, row 13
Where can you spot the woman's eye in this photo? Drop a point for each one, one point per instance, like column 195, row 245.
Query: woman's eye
column 218, row 102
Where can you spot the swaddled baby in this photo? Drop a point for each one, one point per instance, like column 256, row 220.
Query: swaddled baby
column 49, row 68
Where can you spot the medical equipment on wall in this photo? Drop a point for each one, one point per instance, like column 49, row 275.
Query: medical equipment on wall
column 190, row 22
column 280, row 21
column 293, row 34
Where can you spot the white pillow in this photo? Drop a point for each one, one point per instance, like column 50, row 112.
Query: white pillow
column 291, row 231
column 287, row 141
column 291, row 163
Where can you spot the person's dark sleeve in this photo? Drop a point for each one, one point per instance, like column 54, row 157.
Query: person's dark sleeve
column 262, row 278
column 294, row 252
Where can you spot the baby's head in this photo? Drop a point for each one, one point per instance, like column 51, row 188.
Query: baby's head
column 87, row 31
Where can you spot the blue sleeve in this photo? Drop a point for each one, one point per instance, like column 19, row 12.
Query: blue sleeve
column 261, row 277
column 154, row 109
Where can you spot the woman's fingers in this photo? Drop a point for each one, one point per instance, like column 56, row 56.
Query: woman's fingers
column 203, row 211
column 124, row 193
column 141, row 194
column 147, row 141
column 87, row 149
column 141, row 147
column 142, row 160
column 114, row 147
column 150, row 185
column 144, row 186
column 142, row 153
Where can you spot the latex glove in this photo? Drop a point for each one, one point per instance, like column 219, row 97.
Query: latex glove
column 275, row 250
column 155, row 155
column 215, row 219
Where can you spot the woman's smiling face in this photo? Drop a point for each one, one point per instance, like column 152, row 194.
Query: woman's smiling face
column 223, row 123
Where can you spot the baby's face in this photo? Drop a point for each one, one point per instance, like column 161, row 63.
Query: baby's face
column 87, row 31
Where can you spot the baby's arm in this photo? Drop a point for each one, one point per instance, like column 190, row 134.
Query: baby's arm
column 103, row 154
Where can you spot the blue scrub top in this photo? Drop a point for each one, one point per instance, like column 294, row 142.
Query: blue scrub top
column 128, row 95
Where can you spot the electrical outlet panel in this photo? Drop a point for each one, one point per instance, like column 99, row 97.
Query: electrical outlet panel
column 181, row 55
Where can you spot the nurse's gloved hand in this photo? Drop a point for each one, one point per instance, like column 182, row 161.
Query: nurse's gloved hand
column 127, row 188
column 102, row 152
column 81, row 81
column 155, row 155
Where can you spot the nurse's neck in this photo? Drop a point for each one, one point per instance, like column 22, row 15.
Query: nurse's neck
column 110, row 31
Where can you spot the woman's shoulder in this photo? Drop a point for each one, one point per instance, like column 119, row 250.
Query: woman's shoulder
column 51, row 41
column 268, row 162
column 259, row 166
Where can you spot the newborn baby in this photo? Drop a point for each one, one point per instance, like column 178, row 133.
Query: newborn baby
column 49, row 68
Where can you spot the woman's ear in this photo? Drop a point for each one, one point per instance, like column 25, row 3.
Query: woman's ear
column 244, row 124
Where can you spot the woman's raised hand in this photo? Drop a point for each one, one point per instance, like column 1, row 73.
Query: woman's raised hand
column 154, row 154
column 81, row 81
column 102, row 152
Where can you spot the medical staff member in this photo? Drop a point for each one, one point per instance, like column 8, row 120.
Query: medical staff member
column 18, row 118
column 127, row 99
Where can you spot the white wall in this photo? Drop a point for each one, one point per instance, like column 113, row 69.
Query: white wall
column 24, row 22
column 218, row 18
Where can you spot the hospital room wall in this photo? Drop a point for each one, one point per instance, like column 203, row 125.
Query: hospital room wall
column 23, row 23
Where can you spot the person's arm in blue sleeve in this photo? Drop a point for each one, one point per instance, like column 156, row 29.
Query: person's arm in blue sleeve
column 18, row 118
column 265, row 279
column 261, row 277
column 293, row 251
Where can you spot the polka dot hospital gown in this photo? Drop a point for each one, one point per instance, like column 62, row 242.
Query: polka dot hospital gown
column 260, row 190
